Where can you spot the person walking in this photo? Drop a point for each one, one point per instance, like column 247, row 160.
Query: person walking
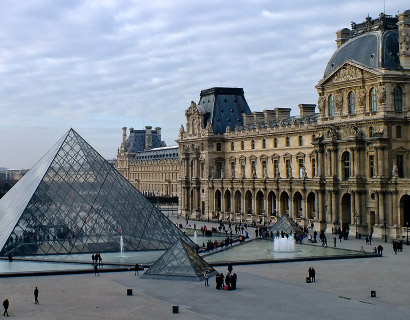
column 230, row 268
column 137, row 267
column 36, row 296
column 206, row 276
column 96, row 270
column 6, row 307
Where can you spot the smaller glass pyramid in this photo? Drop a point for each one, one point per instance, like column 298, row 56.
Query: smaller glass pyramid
column 180, row 262
column 287, row 225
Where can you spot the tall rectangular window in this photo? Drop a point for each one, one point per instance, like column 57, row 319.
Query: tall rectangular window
column 202, row 169
column 275, row 142
column 287, row 141
column 242, row 145
column 398, row 132
column 232, row 170
column 400, row 165
column 219, row 170
column 313, row 167
column 263, row 143
column 264, row 169
column 301, row 140
column 232, row 146
column 219, row 146
column 372, row 100
column 253, row 144
column 371, row 166
column 253, row 167
column 243, row 167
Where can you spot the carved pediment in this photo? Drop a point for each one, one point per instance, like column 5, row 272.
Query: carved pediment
column 191, row 110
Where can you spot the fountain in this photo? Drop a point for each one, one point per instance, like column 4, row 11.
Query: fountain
column 122, row 247
column 285, row 244
column 195, row 236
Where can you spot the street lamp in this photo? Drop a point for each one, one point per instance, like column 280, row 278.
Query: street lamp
column 385, row 230
column 356, row 216
column 407, row 227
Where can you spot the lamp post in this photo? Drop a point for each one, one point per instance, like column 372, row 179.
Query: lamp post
column 385, row 230
column 356, row 216
column 407, row 227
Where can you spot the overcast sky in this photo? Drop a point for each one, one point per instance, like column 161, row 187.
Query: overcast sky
column 100, row 65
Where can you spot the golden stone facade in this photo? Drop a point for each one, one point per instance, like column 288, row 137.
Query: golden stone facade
column 346, row 166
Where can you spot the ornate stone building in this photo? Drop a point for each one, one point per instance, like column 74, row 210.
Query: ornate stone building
column 146, row 161
column 345, row 166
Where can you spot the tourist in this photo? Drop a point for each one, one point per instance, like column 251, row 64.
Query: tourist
column 6, row 307
column 96, row 272
column 228, row 285
column 310, row 274
column 334, row 241
column 93, row 258
column 370, row 239
column 313, row 275
column 233, row 281
column 367, row 240
column 100, row 260
column 137, row 267
column 230, row 268
column 206, row 276
column 375, row 250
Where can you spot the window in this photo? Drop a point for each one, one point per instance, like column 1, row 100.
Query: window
column 398, row 99
column 288, row 169
column 400, row 165
column 372, row 100
column 232, row 170
column 330, row 106
column 219, row 146
column 253, row 144
column 276, row 168
column 242, row 145
column 371, row 166
column 313, row 167
column 263, row 143
column 219, row 170
column 398, row 132
column 232, row 146
column 346, row 165
column 243, row 167
column 287, row 141
column 275, row 142
column 202, row 169
column 352, row 107
column 301, row 168
column 300, row 140
column 193, row 126
column 370, row 132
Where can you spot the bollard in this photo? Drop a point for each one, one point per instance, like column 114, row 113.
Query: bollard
column 175, row 309
column 129, row 292
column 373, row 294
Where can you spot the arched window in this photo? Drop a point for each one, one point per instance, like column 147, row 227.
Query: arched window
column 330, row 106
column 352, row 107
column 346, row 165
column 398, row 99
column 193, row 126
column 372, row 100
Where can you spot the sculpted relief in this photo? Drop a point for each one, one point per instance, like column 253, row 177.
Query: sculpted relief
column 404, row 40
column 347, row 73
column 381, row 93
column 321, row 104
column 338, row 100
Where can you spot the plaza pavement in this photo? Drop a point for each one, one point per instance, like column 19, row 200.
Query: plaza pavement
column 267, row 291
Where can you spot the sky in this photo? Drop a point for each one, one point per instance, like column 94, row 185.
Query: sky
column 99, row 65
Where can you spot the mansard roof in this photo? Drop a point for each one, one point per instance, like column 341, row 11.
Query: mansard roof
column 223, row 107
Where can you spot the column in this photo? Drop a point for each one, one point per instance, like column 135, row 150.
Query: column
column 320, row 214
column 395, row 206
column 254, row 213
column 266, row 208
column 334, row 162
column 377, row 213
column 390, row 205
column 317, row 217
column 305, row 207
column 329, row 207
column 352, row 207
column 291, row 204
column 243, row 211
column 353, row 162
column 357, row 206
column 381, row 209
column 334, row 208
column 376, row 162
column 277, row 199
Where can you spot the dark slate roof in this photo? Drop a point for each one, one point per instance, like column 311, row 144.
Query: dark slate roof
column 223, row 107
column 136, row 141
column 374, row 50
column 164, row 153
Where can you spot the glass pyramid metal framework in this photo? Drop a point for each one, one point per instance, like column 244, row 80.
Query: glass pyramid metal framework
column 286, row 225
column 180, row 262
column 74, row 201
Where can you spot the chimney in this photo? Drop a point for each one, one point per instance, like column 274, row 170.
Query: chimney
column 124, row 135
column 282, row 113
column 148, row 138
column 306, row 110
column 270, row 115
column 404, row 38
column 158, row 130
column 342, row 36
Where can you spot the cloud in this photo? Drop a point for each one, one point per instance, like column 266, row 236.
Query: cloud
column 99, row 65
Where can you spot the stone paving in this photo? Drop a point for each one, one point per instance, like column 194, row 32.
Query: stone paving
column 267, row 291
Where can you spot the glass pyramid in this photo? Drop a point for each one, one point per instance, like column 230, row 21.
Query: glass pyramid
column 287, row 225
column 180, row 262
column 74, row 201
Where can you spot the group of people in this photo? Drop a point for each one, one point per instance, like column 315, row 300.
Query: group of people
column 6, row 302
column 230, row 281
column 397, row 246
column 312, row 274
column 97, row 263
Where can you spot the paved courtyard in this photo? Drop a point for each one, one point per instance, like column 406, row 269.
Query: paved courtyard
column 342, row 291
